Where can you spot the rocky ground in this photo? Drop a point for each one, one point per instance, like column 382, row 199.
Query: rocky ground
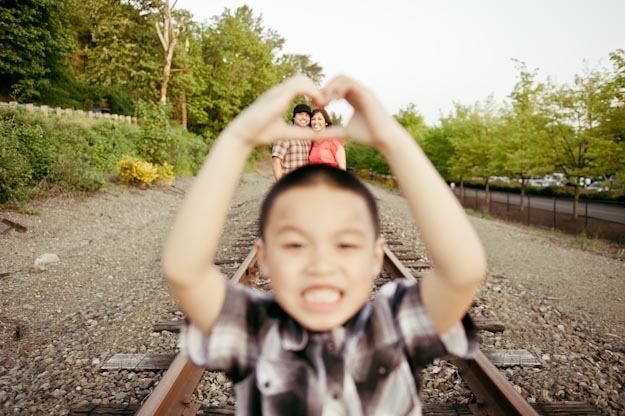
column 60, row 321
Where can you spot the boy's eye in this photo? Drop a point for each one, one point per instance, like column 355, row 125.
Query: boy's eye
column 292, row 245
column 347, row 246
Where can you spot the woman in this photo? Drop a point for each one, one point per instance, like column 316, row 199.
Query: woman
column 330, row 151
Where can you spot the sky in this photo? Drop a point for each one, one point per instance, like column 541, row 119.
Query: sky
column 437, row 52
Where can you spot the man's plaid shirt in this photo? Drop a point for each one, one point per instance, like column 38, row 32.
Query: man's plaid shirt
column 292, row 153
column 370, row 366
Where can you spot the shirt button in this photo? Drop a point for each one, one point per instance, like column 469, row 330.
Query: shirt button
column 382, row 371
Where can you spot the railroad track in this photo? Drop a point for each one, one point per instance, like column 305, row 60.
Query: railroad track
column 490, row 393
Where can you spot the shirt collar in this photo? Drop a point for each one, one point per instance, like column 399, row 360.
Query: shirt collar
column 293, row 337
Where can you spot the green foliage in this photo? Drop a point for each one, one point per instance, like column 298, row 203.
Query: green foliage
column 437, row 146
column 159, row 141
column 15, row 170
column 239, row 56
column 365, row 157
column 136, row 171
column 116, row 46
column 412, row 121
column 36, row 44
column 155, row 144
column 39, row 154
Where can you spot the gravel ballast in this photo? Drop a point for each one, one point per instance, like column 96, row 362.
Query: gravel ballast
column 102, row 291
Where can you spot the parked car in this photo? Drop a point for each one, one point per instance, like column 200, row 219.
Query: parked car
column 540, row 183
column 596, row 186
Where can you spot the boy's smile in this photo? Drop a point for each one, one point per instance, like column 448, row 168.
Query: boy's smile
column 321, row 253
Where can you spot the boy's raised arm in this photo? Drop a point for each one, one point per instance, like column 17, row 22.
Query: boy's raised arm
column 453, row 246
column 188, row 257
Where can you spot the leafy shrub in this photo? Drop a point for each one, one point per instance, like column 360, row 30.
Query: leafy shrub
column 155, row 143
column 15, row 169
column 364, row 157
column 60, row 154
column 165, row 173
column 137, row 171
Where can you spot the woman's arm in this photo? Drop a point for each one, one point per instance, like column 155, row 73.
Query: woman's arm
column 341, row 158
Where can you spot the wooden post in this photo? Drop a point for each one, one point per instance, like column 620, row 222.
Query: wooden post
column 58, row 111
column 44, row 110
column 554, row 212
column 30, row 108
column 528, row 210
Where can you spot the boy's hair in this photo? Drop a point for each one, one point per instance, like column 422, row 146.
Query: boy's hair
column 325, row 115
column 318, row 174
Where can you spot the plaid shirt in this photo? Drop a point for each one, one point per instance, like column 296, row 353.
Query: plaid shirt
column 292, row 153
column 369, row 366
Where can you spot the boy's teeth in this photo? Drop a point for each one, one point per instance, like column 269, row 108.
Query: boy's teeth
column 322, row 295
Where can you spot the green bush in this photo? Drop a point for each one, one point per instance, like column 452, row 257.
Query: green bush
column 59, row 154
column 365, row 157
column 15, row 170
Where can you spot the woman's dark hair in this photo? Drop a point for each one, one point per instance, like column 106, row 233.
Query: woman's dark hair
column 324, row 113
column 318, row 174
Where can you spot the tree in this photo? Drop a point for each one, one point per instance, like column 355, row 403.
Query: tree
column 36, row 44
column 412, row 121
column 474, row 137
column 168, row 36
column 574, row 125
column 523, row 153
column 437, row 146
column 117, row 47
column 291, row 64
column 239, row 63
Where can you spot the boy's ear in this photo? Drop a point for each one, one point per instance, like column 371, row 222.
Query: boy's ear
column 378, row 256
column 260, row 257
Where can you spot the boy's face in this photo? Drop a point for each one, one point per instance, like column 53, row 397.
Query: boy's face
column 301, row 119
column 321, row 254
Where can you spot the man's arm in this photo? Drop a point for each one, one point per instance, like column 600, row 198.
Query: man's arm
column 276, row 166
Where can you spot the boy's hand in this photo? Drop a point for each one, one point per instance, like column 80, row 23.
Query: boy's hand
column 262, row 122
column 370, row 123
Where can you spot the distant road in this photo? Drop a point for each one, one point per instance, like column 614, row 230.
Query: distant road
column 613, row 212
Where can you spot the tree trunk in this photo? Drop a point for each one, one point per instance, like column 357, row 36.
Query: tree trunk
column 168, row 37
column 183, row 110
column 576, row 198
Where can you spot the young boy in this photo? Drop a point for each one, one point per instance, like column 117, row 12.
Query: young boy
column 287, row 155
column 316, row 346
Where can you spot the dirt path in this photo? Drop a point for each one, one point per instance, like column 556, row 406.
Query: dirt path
column 105, row 293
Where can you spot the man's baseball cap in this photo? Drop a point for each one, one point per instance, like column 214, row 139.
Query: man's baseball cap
column 302, row 108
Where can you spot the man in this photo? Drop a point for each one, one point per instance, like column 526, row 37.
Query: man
column 288, row 155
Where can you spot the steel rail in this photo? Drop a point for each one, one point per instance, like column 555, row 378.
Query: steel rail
column 174, row 393
column 495, row 395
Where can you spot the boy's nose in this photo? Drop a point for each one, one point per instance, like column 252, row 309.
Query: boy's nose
column 320, row 262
